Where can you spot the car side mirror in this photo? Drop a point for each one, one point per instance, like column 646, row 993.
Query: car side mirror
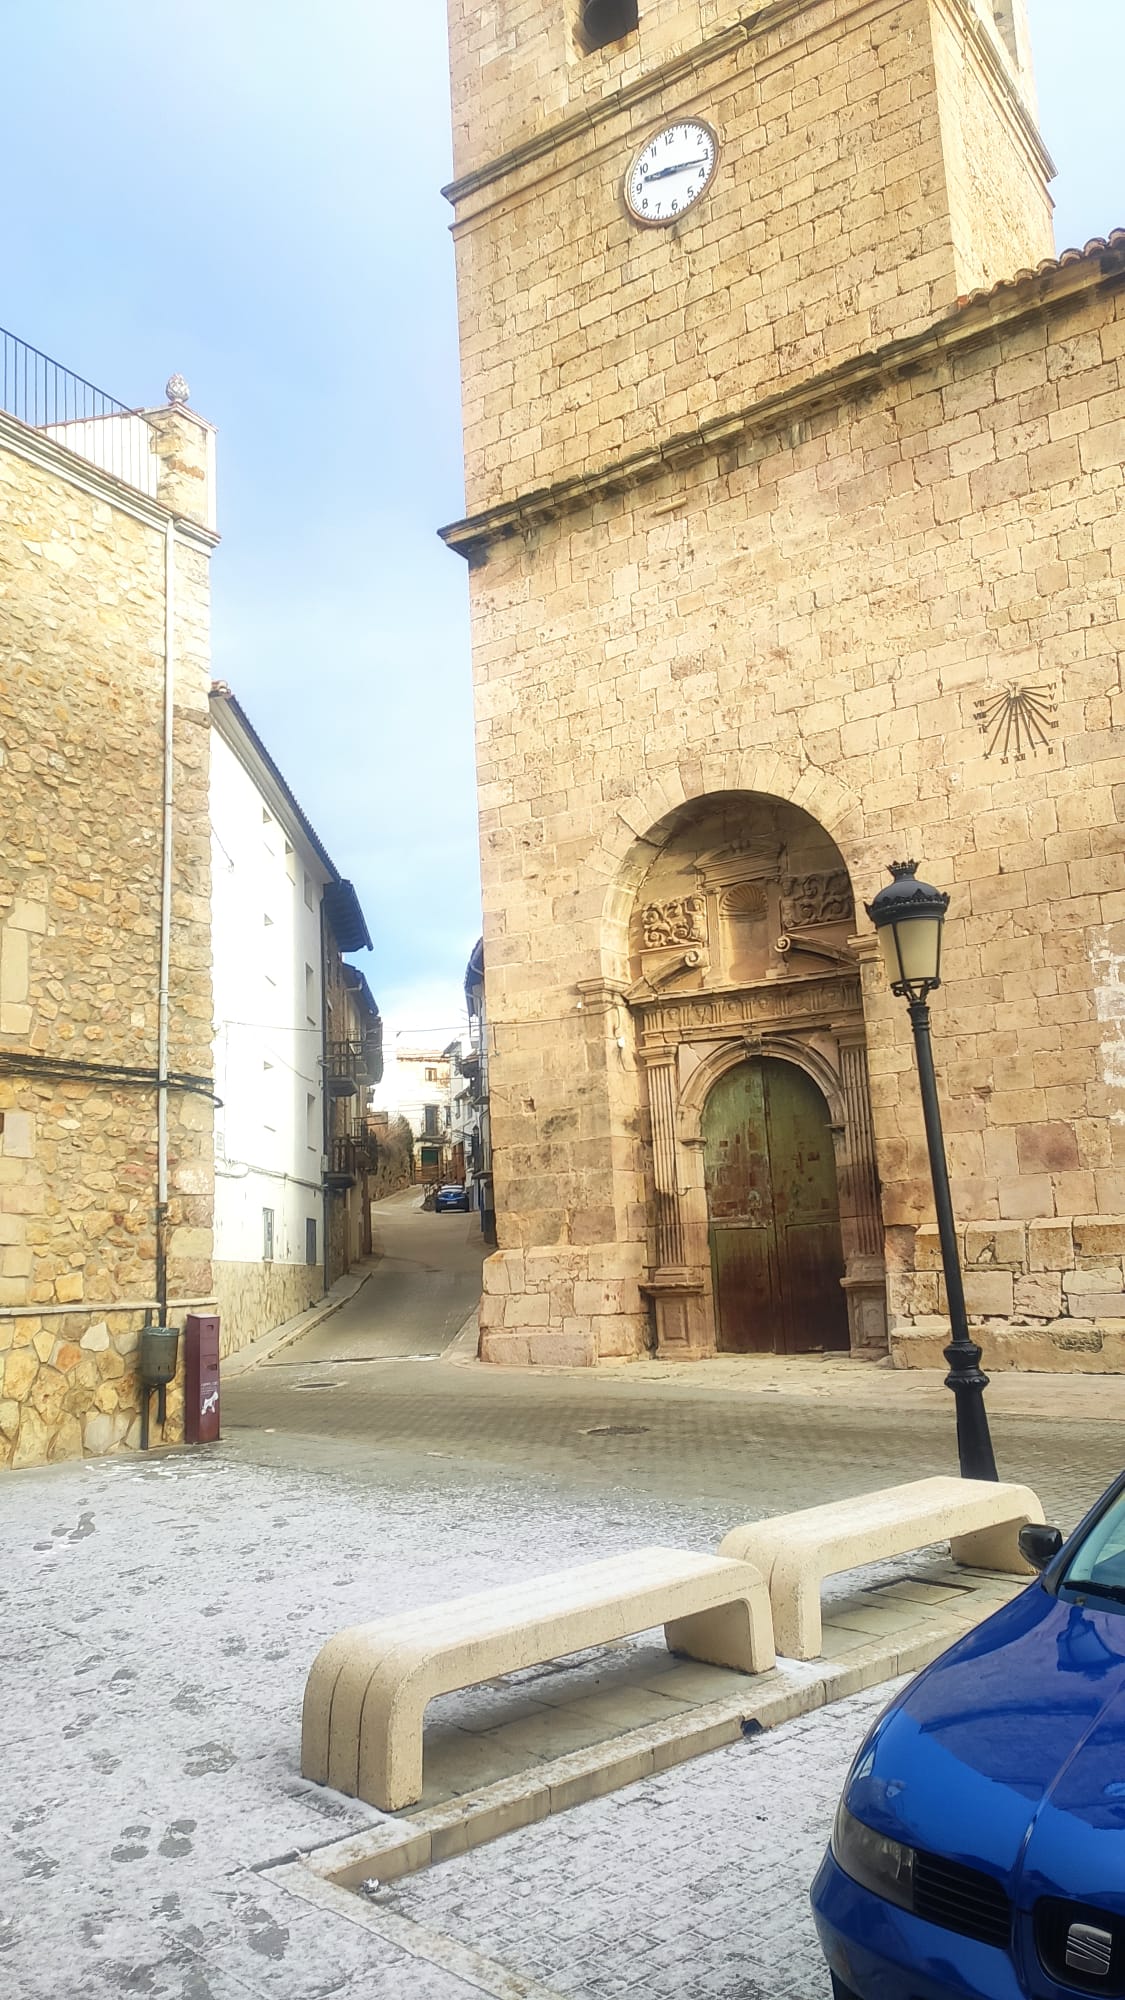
column 1040, row 1545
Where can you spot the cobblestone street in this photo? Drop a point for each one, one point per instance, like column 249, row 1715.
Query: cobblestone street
column 689, row 1886
column 157, row 1625
column 158, row 1619
column 367, row 1393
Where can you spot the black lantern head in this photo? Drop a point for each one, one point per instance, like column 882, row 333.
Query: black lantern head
column 908, row 916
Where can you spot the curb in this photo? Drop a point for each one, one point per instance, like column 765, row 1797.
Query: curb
column 402, row 1845
column 462, row 1349
column 1015, row 1395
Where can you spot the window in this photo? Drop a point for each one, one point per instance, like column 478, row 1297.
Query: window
column 267, row 1236
column 312, row 1125
column 310, row 1239
column 605, row 21
column 431, row 1076
column 430, row 1120
column 310, row 901
column 310, row 995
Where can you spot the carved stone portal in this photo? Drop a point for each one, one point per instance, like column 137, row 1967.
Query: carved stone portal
column 809, row 900
column 740, row 947
column 683, row 920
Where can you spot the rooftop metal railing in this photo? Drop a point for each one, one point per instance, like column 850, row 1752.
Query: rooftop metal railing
column 61, row 405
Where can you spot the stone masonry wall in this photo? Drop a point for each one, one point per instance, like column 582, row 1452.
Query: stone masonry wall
column 82, row 639
column 253, row 1299
column 990, row 236
column 871, row 170
column 814, row 613
column 1043, row 1295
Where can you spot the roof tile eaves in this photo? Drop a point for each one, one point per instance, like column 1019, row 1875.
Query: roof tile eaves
column 1096, row 247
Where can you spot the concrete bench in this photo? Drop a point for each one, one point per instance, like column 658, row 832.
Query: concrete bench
column 980, row 1518
column 369, row 1686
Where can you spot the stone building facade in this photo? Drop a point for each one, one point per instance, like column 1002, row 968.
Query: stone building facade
column 794, row 537
column 104, row 638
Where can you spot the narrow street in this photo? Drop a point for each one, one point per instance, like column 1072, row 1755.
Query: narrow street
column 424, row 1284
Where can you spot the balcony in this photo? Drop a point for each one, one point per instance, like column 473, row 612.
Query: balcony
column 65, row 407
column 351, row 1157
column 353, row 1067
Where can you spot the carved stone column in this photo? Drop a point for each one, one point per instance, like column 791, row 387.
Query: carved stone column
column 677, row 1294
column 865, row 1277
column 661, row 1069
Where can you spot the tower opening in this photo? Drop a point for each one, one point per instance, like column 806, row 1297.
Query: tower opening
column 605, row 21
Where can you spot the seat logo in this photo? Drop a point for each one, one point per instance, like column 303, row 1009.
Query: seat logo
column 1089, row 1950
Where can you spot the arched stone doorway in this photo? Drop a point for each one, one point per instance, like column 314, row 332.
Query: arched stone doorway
column 777, row 1256
column 742, row 957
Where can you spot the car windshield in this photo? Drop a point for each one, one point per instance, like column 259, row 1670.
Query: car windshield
column 1098, row 1564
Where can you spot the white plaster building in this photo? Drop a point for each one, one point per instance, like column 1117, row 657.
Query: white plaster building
column 419, row 1090
column 281, row 915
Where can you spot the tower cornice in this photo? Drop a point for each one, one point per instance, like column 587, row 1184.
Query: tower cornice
column 1013, row 303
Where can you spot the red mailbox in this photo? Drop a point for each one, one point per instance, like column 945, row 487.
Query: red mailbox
column 201, row 1378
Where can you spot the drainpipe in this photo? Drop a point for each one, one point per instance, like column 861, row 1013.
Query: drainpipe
column 165, row 928
column 325, row 1101
column 164, row 973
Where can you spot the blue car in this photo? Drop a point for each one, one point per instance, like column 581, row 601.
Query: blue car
column 452, row 1195
column 978, row 1851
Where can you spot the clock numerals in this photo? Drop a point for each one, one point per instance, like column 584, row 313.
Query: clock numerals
column 671, row 171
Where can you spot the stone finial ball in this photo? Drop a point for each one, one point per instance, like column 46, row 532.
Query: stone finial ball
column 176, row 389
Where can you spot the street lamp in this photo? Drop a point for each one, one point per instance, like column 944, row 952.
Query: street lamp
column 908, row 916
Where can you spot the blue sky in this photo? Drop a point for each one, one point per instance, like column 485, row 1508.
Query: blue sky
column 247, row 191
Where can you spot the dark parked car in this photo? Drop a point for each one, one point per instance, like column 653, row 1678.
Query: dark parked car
column 979, row 1847
column 453, row 1195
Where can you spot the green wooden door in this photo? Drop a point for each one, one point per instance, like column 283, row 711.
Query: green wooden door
column 776, row 1255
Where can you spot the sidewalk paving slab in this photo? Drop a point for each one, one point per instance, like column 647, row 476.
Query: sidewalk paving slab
column 157, row 1623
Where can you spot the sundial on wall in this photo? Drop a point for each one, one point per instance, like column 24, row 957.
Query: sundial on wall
column 1017, row 721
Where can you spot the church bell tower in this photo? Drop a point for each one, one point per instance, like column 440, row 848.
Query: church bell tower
column 700, row 248
column 874, row 160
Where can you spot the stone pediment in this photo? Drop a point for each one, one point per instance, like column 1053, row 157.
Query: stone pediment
column 756, row 859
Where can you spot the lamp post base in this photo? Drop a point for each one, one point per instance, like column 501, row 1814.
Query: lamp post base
column 968, row 1382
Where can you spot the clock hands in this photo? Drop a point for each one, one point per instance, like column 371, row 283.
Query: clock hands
column 680, row 167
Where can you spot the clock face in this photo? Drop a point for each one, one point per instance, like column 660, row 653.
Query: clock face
column 671, row 171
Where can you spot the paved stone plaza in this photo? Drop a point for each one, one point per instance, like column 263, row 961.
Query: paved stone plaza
column 158, row 1621
column 158, row 1618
